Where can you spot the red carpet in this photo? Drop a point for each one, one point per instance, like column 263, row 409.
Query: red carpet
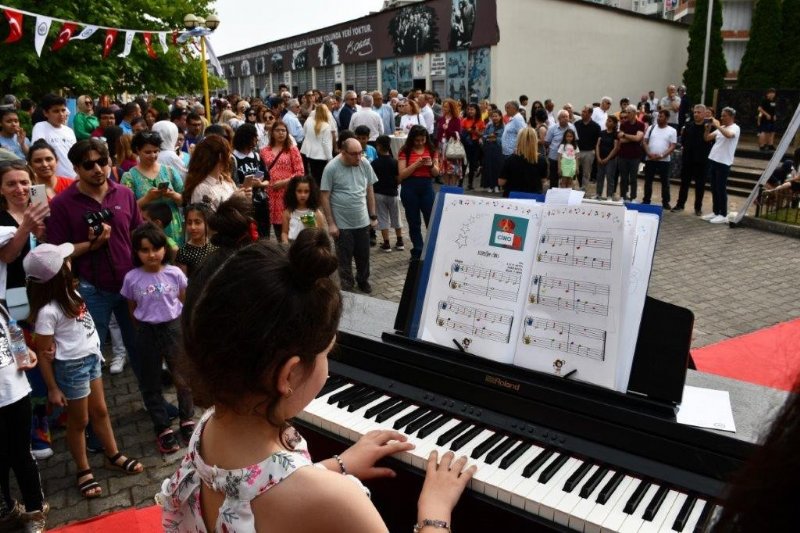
column 147, row 520
column 768, row 357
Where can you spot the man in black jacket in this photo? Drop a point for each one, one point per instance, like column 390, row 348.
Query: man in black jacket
column 695, row 159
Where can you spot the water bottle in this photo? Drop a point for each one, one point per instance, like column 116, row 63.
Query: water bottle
column 16, row 341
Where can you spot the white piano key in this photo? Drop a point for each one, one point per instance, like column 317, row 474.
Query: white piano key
column 666, row 525
column 616, row 516
column 635, row 520
column 521, row 491
column 582, row 511
column 563, row 510
column 485, row 470
column 495, row 478
column 697, row 510
column 534, row 499
column 661, row 515
column 345, row 420
column 505, row 488
column 549, row 503
column 600, row 512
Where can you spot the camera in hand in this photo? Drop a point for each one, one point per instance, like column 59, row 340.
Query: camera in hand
column 95, row 219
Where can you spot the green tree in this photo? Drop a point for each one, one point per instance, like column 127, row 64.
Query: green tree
column 79, row 67
column 789, row 75
column 760, row 63
column 693, row 75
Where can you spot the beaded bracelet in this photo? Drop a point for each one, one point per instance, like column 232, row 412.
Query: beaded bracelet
column 341, row 464
column 437, row 524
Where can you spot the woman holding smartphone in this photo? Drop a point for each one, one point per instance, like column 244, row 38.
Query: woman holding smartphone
column 417, row 166
column 154, row 182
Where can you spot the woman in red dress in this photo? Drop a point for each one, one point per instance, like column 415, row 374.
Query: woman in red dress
column 283, row 161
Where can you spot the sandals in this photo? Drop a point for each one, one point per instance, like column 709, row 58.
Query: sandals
column 129, row 466
column 166, row 442
column 89, row 487
column 187, row 430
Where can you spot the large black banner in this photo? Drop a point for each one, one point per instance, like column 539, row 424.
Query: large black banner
column 433, row 26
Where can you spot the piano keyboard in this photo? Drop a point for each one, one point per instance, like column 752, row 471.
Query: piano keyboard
column 535, row 476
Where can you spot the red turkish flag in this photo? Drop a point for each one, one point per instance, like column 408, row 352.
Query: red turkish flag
column 148, row 42
column 175, row 36
column 111, row 36
column 14, row 25
column 67, row 29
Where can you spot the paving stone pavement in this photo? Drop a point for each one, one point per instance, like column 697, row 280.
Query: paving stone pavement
column 735, row 281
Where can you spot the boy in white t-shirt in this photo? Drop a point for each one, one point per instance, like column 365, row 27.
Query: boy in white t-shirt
column 55, row 131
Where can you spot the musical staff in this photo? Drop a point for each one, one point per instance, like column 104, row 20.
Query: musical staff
column 484, row 322
column 564, row 337
column 499, row 284
column 570, row 295
column 576, row 250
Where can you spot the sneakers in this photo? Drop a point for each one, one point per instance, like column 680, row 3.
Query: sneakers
column 44, row 453
column 709, row 216
column 10, row 518
column 677, row 209
column 117, row 365
column 719, row 219
column 386, row 247
column 186, row 430
column 365, row 287
column 167, row 443
column 399, row 246
column 34, row 522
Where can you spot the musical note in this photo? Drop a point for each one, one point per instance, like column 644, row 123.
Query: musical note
column 499, row 284
column 575, row 250
column 570, row 295
column 564, row 337
column 484, row 322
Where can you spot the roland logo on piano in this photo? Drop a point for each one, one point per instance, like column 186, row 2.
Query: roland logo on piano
column 500, row 382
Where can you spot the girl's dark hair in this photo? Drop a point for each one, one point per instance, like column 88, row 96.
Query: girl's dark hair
column 414, row 132
column 245, row 137
column 208, row 153
column 40, row 144
column 475, row 107
column 343, row 136
column 113, row 135
column 157, row 238
column 203, row 209
column 763, row 495
column 298, row 307
column 60, row 289
column 145, row 138
column 541, row 115
column 159, row 211
column 231, row 222
column 574, row 138
column 290, row 196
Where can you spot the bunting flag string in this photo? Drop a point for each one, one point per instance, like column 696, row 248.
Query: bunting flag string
column 74, row 31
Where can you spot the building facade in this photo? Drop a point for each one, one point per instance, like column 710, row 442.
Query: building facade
column 475, row 49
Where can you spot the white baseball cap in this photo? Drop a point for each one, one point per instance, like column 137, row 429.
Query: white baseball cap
column 43, row 262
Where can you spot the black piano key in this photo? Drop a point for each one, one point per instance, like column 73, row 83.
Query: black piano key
column 486, row 445
column 390, row 412
column 512, row 456
column 593, row 481
column 610, row 487
column 454, row 432
column 386, row 404
column 537, row 462
column 346, row 400
column 333, row 383
column 552, row 468
column 655, row 503
column 403, row 421
column 465, row 438
column 433, row 426
column 371, row 397
column 352, row 391
column 683, row 515
column 498, row 451
column 423, row 421
column 705, row 517
column 636, row 498
column 577, row 476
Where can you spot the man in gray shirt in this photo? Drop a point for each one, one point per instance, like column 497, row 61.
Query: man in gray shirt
column 348, row 204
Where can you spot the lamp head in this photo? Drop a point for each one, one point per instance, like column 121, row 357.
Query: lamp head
column 212, row 22
column 190, row 21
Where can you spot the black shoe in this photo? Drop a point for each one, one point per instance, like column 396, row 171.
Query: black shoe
column 365, row 287
column 771, row 147
column 646, row 202
column 677, row 209
column 172, row 411
column 666, row 207
column 386, row 247
column 698, row 213
column 762, row 148
column 399, row 246
column 347, row 287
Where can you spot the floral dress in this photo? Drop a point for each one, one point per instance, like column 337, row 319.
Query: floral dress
column 180, row 495
column 141, row 184
column 288, row 165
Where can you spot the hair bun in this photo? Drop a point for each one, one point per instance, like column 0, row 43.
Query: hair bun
column 311, row 256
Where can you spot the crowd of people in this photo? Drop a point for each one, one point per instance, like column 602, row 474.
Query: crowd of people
column 150, row 210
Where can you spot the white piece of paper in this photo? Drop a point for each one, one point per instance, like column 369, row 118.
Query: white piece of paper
column 563, row 196
column 706, row 408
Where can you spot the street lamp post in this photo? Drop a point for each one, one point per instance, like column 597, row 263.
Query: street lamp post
column 211, row 23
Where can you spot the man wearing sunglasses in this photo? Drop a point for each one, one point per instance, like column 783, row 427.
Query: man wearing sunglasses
column 103, row 257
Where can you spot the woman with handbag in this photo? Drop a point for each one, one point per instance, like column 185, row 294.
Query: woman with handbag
column 448, row 139
column 283, row 161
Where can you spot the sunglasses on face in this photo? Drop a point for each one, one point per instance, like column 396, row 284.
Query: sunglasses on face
column 269, row 117
column 90, row 163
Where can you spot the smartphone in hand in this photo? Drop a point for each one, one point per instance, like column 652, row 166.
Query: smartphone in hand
column 38, row 194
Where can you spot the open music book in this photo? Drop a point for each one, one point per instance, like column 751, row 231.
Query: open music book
column 554, row 288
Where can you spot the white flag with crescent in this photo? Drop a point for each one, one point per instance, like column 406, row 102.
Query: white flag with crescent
column 42, row 29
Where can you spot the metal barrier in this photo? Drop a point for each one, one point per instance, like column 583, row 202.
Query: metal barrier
column 781, row 206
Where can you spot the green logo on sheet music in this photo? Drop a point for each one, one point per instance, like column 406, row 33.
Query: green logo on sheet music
column 509, row 232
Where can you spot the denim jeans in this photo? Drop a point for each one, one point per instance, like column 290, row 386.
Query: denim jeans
column 101, row 305
column 607, row 173
column 718, row 178
column 417, row 197
column 353, row 244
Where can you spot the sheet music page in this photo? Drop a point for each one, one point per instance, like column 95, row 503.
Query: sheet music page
column 641, row 230
column 574, row 297
column 479, row 273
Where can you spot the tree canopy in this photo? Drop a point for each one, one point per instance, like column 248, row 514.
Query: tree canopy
column 789, row 75
column 693, row 75
column 761, row 61
column 79, row 67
